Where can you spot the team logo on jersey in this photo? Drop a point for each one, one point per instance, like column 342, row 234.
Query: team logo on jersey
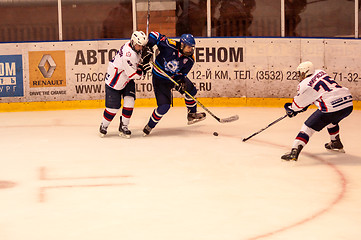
column 128, row 54
column 185, row 60
column 171, row 66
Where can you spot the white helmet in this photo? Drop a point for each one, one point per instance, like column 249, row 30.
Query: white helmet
column 307, row 68
column 139, row 37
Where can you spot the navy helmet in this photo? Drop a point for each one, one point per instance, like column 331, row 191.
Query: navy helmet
column 188, row 39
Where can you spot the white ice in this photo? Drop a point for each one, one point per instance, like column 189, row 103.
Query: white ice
column 59, row 180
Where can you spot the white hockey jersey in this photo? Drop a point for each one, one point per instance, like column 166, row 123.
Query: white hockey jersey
column 324, row 92
column 123, row 67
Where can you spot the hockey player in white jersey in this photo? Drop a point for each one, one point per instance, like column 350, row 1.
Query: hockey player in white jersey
column 333, row 101
column 123, row 69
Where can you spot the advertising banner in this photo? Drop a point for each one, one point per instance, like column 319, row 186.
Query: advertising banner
column 11, row 76
column 224, row 67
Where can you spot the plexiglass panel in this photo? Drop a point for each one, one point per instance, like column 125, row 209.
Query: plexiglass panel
column 191, row 17
column 28, row 21
column 322, row 18
column 37, row 20
column 232, row 17
column 97, row 19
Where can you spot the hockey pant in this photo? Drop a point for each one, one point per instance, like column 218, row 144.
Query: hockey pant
column 113, row 103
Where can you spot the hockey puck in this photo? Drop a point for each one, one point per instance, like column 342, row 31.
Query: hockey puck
column 215, row 134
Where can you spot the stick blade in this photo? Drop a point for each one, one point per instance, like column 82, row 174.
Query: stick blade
column 229, row 119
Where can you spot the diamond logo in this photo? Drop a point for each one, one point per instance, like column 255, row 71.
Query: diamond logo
column 47, row 71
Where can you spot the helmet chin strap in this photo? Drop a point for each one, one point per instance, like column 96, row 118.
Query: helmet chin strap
column 132, row 45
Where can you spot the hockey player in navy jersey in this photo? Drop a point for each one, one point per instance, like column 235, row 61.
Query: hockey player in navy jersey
column 123, row 69
column 176, row 59
column 333, row 101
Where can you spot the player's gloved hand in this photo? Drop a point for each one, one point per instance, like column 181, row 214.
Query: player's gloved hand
column 290, row 113
column 181, row 87
column 145, row 67
column 304, row 109
column 147, row 54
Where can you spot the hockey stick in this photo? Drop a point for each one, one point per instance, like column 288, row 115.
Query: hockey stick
column 221, row 120
column 274, row 122
column 148, row 16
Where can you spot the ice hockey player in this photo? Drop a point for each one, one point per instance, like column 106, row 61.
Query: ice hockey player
column 123, row 69
column 333, row 101
column 176, row 59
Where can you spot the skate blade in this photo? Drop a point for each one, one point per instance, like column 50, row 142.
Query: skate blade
column 124, row 135
column 102, row 135
column 145, row 134
column 289, row 160
column 336, row 150
column 195, row 121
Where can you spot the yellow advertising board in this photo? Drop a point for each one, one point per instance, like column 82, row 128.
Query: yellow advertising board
column 47, row 69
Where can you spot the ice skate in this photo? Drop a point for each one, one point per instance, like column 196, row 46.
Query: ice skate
column 147, row 130
column 123, row 130
column 293, row 155
column 103, row 130
column 335, row 145
column 195, row 117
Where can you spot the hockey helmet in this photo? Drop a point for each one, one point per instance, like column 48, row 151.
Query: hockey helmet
column 187, row 44
column 305, row 69
column 188, row 39
column 139, row 38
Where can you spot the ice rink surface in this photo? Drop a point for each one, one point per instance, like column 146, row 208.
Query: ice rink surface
column 59, row 180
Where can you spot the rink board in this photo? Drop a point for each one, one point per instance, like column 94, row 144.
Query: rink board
column 239, row 70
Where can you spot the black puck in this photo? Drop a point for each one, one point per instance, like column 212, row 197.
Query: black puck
column 215, row 134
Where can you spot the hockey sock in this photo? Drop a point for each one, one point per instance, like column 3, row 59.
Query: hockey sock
column 127, row 110
column 157, row 115
column 108, row 115
column 303, row 136
column 190, row 104
column 333, row 130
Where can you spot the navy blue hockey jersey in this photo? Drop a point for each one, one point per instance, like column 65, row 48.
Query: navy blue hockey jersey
column 170, row 59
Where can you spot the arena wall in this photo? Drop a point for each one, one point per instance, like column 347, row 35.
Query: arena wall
column 227, row 72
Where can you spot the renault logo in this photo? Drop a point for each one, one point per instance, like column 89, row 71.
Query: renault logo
column 47, row 73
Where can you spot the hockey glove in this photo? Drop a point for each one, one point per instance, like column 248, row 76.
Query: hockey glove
column 147, row 54
column 304, row 109
column 290, row 113
column 145, row 67
column 181, row 87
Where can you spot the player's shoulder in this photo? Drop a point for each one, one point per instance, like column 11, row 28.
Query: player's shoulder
column 129, row 53
column 154, row 34
column 172, row 42
column 163, row 39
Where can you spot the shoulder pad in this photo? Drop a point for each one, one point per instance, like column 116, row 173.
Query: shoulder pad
column 154, row 34
column 172, row 42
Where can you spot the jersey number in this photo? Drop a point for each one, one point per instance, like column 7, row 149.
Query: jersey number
column 323, row 84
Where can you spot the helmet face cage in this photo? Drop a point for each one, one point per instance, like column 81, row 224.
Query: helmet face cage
column 139, row 38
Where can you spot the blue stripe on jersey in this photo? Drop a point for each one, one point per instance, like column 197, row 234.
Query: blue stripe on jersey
column 323, row 106
column 115, row 78
column 342, row 103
